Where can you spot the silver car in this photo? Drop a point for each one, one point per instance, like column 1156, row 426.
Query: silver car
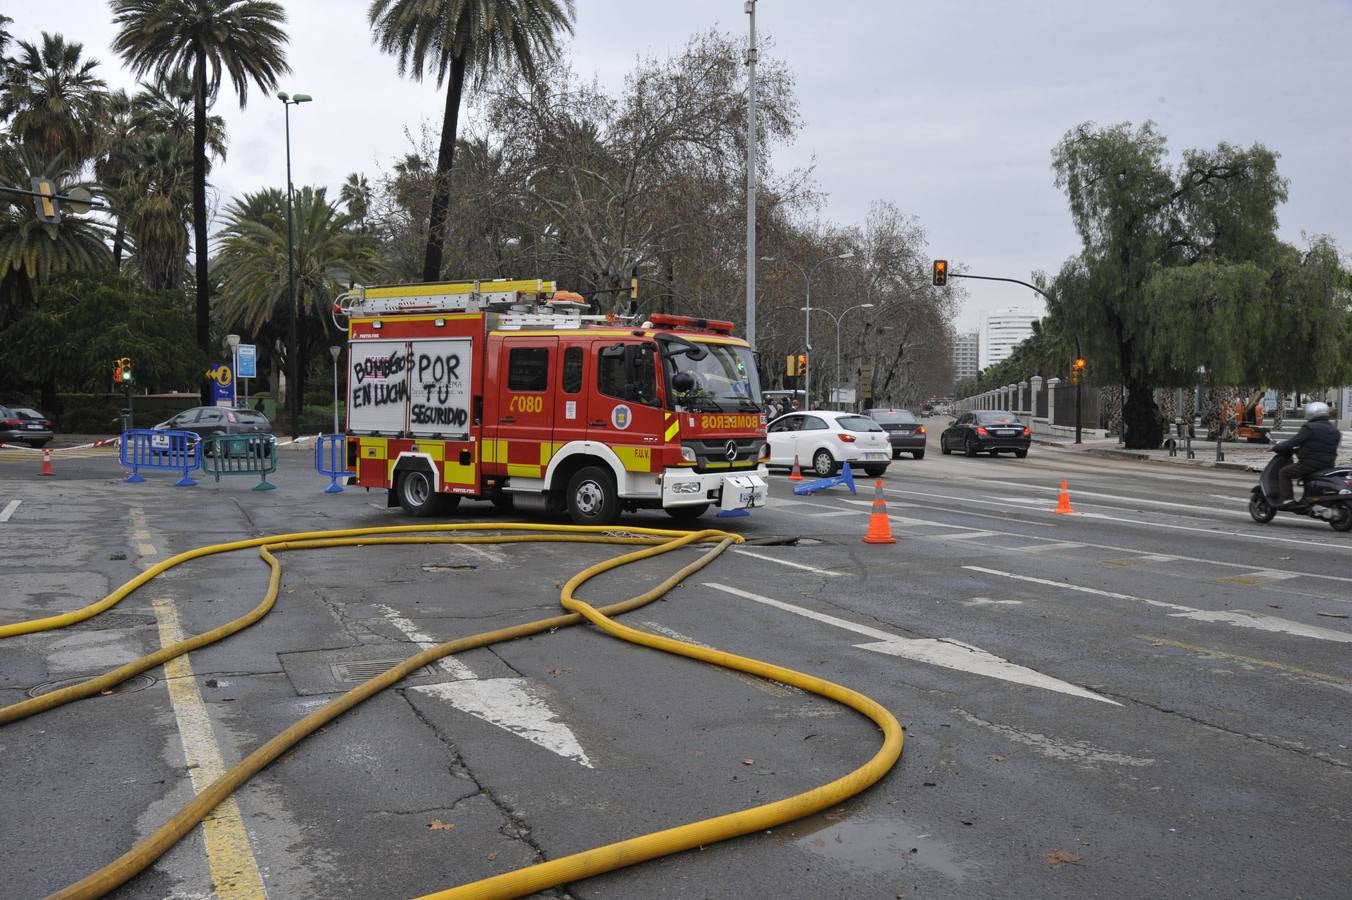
column 904, row 431
column 24, row 425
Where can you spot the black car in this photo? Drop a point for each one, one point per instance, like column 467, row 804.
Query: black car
column 903, row 430
column 208, row 420
column 24, row 425
column 987, row 431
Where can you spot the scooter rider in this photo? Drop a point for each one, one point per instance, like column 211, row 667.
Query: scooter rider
column 1316, row 445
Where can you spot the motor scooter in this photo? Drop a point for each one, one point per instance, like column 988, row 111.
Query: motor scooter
column 1327, row 494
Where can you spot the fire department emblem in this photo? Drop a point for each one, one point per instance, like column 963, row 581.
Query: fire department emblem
column 621, row 416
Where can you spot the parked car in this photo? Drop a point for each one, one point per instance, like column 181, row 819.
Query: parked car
column 986, row 431
column 823, row 439
column 903, row 429
column 207, row 420
column 24, row 425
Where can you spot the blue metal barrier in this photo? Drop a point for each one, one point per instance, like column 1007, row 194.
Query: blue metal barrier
column 148, row 448
column 331, row 460
column 241, row 454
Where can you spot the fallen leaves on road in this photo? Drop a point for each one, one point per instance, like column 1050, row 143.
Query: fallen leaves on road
column 748, row 761
column 438, row 825
column 1058, row 858
column 559, row 670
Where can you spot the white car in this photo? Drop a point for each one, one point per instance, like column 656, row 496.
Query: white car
column 822, row 439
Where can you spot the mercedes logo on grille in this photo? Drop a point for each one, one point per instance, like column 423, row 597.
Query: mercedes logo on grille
column 730, row 451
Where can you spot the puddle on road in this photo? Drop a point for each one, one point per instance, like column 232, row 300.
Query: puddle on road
column 879, row 844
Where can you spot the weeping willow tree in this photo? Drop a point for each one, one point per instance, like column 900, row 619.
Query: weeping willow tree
column 1180, row 268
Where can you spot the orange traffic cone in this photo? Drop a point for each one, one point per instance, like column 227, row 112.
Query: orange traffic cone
column 797, row 473
column 47, row 462
column 879, row 526
column 1063, row 502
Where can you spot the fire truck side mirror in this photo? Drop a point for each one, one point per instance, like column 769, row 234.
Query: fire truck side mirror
column 683, row 382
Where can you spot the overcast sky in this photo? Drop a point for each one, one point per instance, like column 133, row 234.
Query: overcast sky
column 947, row 108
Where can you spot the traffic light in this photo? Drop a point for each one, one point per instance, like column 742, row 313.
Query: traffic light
column 802, row 363
column 790, row 365
column 46, row 205
column 122, row 372
column 633, row 288
column 940, row 272
column 1077, row 370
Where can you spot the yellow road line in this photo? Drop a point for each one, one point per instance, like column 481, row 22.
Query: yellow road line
column 234, row 871
column 1267, row 663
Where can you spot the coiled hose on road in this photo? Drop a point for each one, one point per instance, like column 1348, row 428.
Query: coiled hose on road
column 529, row 879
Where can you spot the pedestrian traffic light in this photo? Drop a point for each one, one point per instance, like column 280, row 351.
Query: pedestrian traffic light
column 940, row 272
column 45, row 202
column 117, row 371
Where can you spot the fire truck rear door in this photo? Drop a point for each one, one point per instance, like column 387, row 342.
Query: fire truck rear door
column 527, row 391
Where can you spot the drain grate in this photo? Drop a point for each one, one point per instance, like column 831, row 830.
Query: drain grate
column 366, row 669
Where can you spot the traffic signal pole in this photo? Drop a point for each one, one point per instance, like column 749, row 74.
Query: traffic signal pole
column 942, row 274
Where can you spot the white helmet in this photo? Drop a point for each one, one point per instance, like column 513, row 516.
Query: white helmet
column 1316, row 410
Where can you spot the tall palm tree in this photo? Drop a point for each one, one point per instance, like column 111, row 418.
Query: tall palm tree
column 251, row 264
column 54, row 100
column 205, row 39
column 356, row 196
column 465, row 38
column 32, row 251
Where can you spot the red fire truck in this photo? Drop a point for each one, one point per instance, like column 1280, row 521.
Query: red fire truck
column 493, row 389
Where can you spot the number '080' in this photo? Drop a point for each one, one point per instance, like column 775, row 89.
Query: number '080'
column 528, row 404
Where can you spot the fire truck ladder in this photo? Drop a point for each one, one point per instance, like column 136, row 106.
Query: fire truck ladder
column 446, row 297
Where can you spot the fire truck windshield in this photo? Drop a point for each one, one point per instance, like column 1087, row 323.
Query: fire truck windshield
column 724, row 378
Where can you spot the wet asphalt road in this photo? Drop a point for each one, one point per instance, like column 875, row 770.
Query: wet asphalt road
column 1148, row 698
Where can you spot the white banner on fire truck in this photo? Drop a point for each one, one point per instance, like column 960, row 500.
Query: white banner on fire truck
column 439, row 379
column 377, row 393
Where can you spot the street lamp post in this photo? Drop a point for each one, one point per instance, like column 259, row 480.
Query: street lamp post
column 334, row 351
column 232, row 341
column 838, row 319
column 807, row 314
column 293, row 342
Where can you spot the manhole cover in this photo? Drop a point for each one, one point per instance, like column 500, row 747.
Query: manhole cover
column 132, row 684
column 366, row 669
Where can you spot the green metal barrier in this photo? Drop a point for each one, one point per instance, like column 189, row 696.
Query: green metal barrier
column 241, row 454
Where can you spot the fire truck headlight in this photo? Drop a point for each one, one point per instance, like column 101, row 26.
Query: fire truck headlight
column 688, row 455
column 685, row 487
column 764, row 453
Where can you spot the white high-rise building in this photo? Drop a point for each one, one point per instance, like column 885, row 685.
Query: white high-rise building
column 1002, row 331
column 966, row 355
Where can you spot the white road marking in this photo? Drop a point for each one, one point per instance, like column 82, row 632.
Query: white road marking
column 1074, row 751
column 496, row 556
column 9, row 510
column 987, row 601
column 1061, row 545
column 1076, row 493
column 941, row 652
column 968, row 536
column 831, row 515
column 1240, row 617
column 1156, row 557
column 512, row 705
column 1265, row 538
column 785, row 562
column 1267, row 575
column 508, row 703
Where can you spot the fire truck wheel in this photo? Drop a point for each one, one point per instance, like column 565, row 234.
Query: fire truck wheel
column 503, row 502
column 418, row 496
column 592, row 497
column 687, row 513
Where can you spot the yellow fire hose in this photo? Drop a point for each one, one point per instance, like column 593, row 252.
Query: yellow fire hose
column 531, row 878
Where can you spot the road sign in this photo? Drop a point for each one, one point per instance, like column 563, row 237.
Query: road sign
column 248, row 360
